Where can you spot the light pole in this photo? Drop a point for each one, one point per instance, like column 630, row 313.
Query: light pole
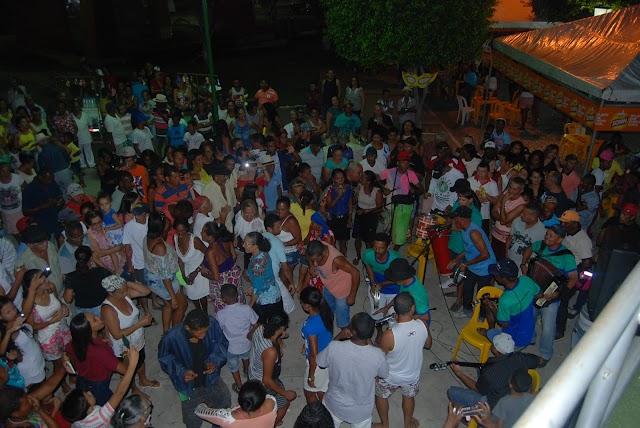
column 207, row 40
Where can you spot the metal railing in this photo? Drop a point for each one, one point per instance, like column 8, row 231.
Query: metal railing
column 600, row 366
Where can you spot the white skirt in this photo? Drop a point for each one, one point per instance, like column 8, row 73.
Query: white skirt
column 199, row 288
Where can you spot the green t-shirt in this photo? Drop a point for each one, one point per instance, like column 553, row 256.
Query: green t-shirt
column 419, row 293
column 566, row 262
column 516, row 300
column 369, row 258
column 455, row 240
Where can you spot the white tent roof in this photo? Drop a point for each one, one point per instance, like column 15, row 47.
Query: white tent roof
column 599, row 55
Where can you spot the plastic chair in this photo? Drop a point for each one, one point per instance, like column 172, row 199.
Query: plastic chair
column 573, row 128
column 535, row 387
column 470, row 333
column 498, row 111
column 415, row 250
column 463, row 110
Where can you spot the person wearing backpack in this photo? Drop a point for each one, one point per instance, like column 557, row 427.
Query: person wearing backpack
column 551, row 250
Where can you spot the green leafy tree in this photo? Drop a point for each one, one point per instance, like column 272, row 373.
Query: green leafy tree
column 418, row 34
column 414, row 33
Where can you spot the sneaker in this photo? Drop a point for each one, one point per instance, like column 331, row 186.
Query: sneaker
column 464, row 313
column 455, row 307
column 448, row 283
column 572, row 313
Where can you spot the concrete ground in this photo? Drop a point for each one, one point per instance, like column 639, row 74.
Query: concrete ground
column 431, row 402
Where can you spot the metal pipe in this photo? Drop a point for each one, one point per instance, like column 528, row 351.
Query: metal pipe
column 599, row 393
column 558, row 399
column 212, row 75
column 628, row 371
column 593, row 143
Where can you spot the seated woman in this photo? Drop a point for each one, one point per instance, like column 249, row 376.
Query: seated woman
column 92, row 357
column 256, row 409
column 84, row 286
column 265, row 360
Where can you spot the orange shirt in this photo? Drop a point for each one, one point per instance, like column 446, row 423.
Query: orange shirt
column 268, row 96
column 338, row 282
column 140, row 180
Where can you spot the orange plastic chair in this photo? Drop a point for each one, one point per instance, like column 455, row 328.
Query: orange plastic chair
column 512, row 111
column 535, row 387
column 573, row 128
column 470, row 333
column 498, row 111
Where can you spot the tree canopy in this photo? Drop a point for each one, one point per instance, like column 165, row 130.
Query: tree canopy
column 413, row 33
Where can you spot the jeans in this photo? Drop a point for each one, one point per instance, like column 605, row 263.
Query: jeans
column 100, row 390
column 465, row 397
column 339, row 307
column 548, row 335
column 218, row 394
column 469, row 287
column 93, row 311
column 63, row 178
column 563, row 310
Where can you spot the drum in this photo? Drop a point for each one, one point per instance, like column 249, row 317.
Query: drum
column 440, row 245
column 424, row 222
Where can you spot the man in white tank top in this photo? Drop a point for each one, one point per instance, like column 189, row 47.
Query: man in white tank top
column 402, row 344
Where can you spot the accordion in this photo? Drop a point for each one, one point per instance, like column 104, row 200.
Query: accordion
column 548, row 277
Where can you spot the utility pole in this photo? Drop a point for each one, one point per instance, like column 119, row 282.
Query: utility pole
column 207, row 40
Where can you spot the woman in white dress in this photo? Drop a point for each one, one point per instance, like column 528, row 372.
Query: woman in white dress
column 191, row 251
column 247, row 220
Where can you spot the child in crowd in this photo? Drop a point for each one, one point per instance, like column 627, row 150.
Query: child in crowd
column 112, row 222
column 192, row 138
column 237, row 321
column 74, row 154
column 176, row 130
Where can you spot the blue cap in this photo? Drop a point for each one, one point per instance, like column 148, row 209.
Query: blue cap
column 506, row 268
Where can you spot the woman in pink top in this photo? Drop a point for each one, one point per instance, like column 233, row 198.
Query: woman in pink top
column 256, row 409
column 340, row 279
column 508, row 208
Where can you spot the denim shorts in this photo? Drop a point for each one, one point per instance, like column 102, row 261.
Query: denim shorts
column 293, row 258
column 339, row 307
column 233, row 360
column 155, row 283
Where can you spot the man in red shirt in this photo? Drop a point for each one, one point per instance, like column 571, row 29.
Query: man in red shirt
column 266, row 94
column 570, row 178
column 77, row 197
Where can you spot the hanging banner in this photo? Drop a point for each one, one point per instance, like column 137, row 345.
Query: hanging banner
column 579, row 108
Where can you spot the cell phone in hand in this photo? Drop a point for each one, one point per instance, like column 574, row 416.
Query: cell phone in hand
column 125, row 341
column 70, row 367
column 46, row 272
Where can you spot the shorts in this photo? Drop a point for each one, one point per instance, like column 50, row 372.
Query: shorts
column 138, row 275
column 293, row 257
column 384, row 301
column 339, row 307
column 265, row 311
column 385, row 390
column 233, row 360
column 339, row 227
column 320, row 379
column 141, row 358
column 281, row 400
column 401, row 219
column 156, row 284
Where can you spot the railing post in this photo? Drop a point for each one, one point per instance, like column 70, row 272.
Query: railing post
column 628, row 371
column 599, row 392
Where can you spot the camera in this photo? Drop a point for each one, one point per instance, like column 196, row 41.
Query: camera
column 46, row 272
column 250, row 164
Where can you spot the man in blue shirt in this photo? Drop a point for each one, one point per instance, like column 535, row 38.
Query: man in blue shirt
column 192, row 354
column 477, row 256
column 56, row 159
column 42, row 201
column 348, row 122
column 513, row 313
column 176, row 130
column 500, row 136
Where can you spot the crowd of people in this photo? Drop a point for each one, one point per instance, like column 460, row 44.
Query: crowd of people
column 240, row 216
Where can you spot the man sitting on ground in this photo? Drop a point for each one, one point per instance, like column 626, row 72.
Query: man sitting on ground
column 511, row 407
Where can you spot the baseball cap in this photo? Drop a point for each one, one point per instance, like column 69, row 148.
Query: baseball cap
column 406, row 88
column 128, row 152
column 558, row 230
column 74, row 189
column 489, row 144
column 460, row 184
column 140, row 208
column 503, row 342
column 607, row 155
column 67, row 215
column 404, row 156
column 371, row 151
column 550, row 200
column 23, row 223
column 630, row 209
column 569, row 215
column 505, row 267
column 462, row 212
column 305, row 127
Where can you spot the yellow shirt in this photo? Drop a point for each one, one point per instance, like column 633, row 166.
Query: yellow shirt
column 608, row 174
column 27, row 141
column 74, row 149
column 204, row 177
column 303, row 219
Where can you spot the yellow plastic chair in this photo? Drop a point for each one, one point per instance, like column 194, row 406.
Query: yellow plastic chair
column 470, row 333
column 535, row 387
column 415, row 250
column 498, row 111
column 573, row 128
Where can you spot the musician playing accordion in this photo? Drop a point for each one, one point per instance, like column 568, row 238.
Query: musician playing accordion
column 548, row 262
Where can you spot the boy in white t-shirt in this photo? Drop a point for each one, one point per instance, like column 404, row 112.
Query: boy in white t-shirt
column 192, row 138
column 237, row 321
column 141, row 137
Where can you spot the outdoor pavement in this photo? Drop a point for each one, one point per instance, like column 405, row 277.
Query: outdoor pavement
column 431, row 402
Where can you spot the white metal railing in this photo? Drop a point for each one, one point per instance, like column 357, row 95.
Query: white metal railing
column 601, row 366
